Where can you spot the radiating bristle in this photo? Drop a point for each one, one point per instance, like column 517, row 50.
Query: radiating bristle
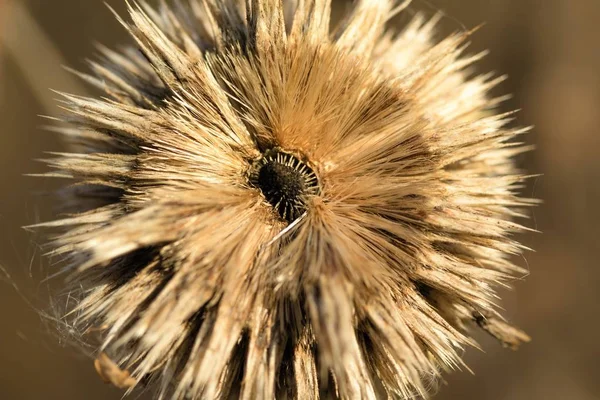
column 275, row 206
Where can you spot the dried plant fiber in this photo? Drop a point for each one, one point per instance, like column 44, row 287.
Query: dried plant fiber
column 269, row 205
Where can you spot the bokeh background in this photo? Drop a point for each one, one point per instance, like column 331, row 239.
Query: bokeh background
column 551, row 51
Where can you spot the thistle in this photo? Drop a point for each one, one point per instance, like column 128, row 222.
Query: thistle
column 271, row 206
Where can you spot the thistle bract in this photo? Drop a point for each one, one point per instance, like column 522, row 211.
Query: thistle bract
column 270, row 205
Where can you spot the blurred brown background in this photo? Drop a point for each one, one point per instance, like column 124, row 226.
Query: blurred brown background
column 551, row 51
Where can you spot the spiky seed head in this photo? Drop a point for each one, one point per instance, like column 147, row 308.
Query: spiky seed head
column 270, row 206
column 285, row 181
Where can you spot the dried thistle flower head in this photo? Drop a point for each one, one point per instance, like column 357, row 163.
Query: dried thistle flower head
column 272, row 207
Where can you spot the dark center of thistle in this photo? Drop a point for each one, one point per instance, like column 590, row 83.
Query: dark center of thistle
column 285, row 181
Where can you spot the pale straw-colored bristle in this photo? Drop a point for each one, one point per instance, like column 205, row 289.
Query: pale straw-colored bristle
column 271, row 206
